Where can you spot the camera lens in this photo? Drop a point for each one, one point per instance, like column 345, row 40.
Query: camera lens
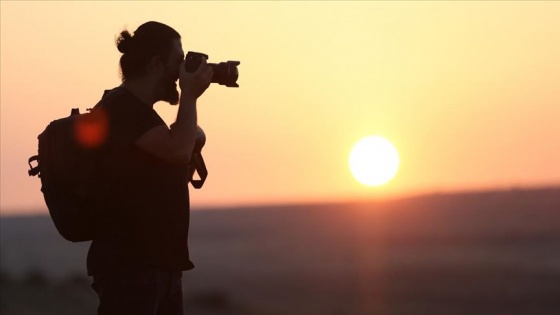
column 226, row 73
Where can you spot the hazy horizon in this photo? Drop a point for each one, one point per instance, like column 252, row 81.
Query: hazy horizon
column 43, row 211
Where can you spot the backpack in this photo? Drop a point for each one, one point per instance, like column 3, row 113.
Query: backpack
column 68, row 163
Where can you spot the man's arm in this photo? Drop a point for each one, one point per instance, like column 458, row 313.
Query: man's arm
column 175, row 145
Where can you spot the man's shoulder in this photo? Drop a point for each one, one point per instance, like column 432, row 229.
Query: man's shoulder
column 117, row 96
column 119, row 101
column 128, row 116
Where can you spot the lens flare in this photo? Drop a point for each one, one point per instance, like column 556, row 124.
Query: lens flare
column 91, row 129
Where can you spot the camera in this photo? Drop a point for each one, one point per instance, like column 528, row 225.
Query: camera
column 225, row 73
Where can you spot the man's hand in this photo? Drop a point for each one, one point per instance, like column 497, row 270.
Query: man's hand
column 194, row 84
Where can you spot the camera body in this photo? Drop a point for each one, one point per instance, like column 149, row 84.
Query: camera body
column 225, row 73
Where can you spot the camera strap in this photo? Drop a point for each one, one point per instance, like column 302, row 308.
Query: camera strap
column 197, row 164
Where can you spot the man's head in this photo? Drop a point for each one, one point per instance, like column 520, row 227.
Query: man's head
column 153, row 52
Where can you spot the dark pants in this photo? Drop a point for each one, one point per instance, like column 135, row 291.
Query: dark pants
column 139, row 291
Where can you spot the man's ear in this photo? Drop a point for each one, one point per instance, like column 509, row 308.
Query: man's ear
column 156, row 65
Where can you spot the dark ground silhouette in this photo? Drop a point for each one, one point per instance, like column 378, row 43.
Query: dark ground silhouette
column 473, row 253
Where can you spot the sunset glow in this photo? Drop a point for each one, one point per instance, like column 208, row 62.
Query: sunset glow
column 468, row 88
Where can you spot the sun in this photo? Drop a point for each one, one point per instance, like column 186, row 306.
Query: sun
column 374, row 161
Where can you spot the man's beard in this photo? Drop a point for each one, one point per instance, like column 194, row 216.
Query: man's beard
column 169, row 92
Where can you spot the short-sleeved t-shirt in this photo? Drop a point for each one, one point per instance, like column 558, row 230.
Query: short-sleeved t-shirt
column 146, row 213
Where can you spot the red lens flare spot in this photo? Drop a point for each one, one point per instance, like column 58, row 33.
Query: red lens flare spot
column 91, row 129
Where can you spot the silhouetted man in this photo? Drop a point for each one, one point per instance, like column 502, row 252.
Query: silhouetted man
column 138, row 256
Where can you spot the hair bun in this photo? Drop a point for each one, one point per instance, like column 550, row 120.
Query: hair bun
column 124, row 42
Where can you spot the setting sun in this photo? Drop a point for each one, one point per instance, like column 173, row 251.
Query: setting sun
column 374, row 161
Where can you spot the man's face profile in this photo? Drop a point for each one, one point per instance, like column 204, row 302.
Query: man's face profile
column 167, row 83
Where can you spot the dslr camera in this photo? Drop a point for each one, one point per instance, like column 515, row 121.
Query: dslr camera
column 225, row 73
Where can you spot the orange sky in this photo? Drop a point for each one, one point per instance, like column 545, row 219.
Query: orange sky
column 468, row 92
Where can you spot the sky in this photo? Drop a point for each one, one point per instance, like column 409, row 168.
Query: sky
column 468, row 92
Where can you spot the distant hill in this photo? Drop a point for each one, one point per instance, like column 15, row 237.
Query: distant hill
column 495, row 252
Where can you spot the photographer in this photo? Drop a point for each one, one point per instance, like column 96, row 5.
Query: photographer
column 138, row 256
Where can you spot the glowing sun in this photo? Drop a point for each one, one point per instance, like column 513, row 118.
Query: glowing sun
column 374, row 161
